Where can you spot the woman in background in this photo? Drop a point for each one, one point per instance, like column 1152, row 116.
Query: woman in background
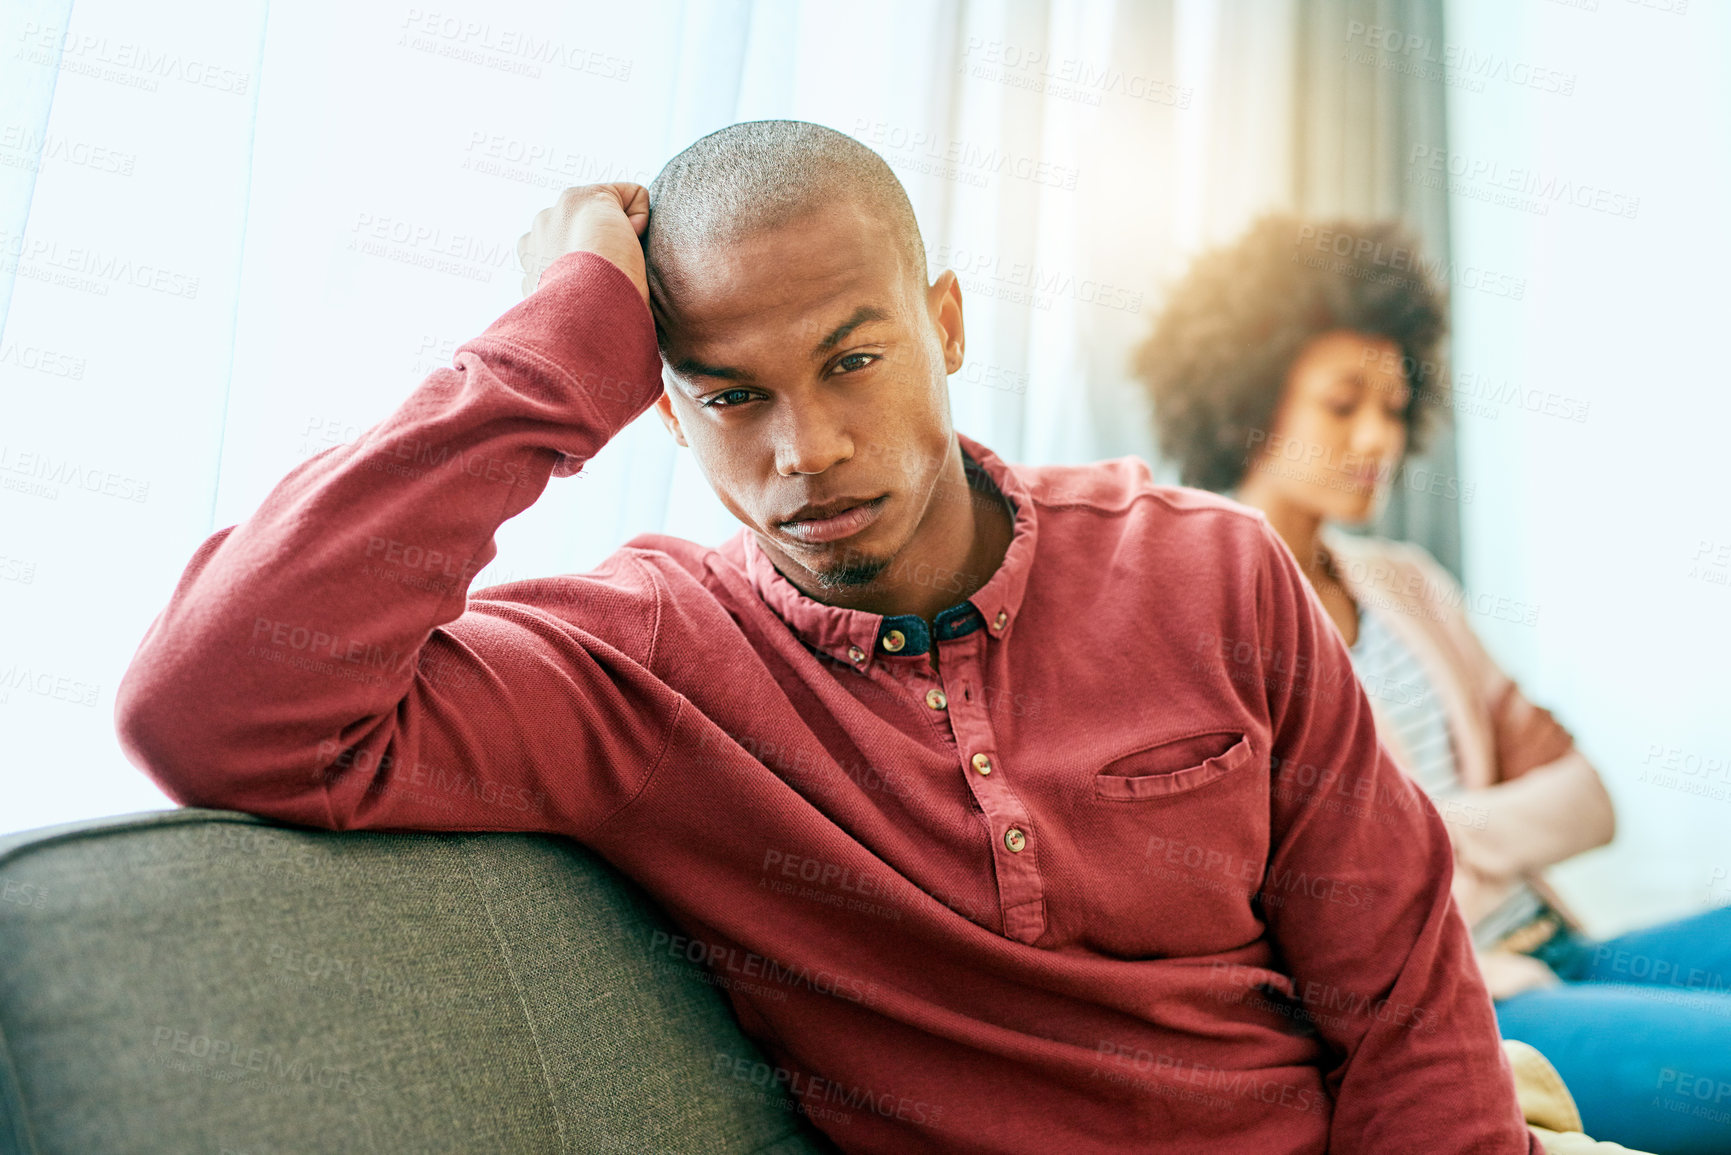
column 1296, row 379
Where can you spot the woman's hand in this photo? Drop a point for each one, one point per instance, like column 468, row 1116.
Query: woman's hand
column 1477, row 848
column 1483, row 875
column 1476, row 892
column 1508, row 974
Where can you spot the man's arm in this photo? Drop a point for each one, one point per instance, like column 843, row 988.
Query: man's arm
column 1359, row 871
column 319, row 662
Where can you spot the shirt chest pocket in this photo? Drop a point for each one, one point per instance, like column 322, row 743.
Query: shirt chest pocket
column 1173, row 766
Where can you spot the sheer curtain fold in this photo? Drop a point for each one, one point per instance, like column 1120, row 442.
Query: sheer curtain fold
column 27, row 28
column 1361, row 104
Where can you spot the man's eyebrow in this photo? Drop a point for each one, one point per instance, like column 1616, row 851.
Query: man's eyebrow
column 861, row 316
column 692, row 367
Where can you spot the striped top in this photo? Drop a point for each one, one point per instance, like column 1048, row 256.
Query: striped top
column 1402, row 695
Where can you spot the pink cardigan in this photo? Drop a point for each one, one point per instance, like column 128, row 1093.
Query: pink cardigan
column 1499, row 736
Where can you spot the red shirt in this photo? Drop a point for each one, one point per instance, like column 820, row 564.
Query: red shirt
column 1128, row 871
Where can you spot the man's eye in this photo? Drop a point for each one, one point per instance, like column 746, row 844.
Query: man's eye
column 859, row 361
column 719, row 401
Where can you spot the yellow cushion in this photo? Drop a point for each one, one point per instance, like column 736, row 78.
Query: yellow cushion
column 1549, row 1109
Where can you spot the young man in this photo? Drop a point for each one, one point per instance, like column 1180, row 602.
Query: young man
column 1053, row 856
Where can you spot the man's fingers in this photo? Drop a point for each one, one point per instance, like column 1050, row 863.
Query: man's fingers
column 586, row 218
column 631, row 199
column 627, row 193
column 637, row 207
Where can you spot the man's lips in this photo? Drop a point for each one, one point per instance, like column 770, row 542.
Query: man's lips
column 833, row 520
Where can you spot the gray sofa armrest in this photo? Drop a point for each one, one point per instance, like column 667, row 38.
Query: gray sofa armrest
column 208, row 981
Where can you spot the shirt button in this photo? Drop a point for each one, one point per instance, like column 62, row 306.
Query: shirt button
column 936, row 700
column 982, row 763
column 998, row 622
column 855, row 654
column 1015, row 839
column 895, row 640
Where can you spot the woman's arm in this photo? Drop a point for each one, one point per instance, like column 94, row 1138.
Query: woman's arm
column 1548, row 802
column 1546, row 815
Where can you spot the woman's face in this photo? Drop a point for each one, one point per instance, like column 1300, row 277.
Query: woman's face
column 1339, row 430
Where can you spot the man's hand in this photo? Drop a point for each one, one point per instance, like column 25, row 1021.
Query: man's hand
column 606, row 219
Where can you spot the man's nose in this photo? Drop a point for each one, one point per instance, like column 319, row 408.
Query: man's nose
column 812, row 438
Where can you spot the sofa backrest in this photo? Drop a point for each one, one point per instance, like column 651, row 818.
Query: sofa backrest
column 207, row 981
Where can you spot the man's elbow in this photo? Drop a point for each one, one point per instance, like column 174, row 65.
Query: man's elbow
column 161, row 734
column 145, row 725
column 158, row 741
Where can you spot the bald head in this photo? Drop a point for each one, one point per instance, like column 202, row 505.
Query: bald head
column 763, row 174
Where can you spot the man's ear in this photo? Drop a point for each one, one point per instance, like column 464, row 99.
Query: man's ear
column 944, row 303
column 664, row 406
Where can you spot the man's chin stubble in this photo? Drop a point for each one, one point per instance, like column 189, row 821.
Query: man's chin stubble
column 850, row 575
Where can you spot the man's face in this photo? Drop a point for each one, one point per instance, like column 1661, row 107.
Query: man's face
column 806, row 368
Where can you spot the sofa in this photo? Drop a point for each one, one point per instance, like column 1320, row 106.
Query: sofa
column 204, row 981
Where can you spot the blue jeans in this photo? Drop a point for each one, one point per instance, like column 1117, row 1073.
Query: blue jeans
column 1640, row 1030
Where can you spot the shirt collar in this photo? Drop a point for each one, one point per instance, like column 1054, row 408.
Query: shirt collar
column 857, row 638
